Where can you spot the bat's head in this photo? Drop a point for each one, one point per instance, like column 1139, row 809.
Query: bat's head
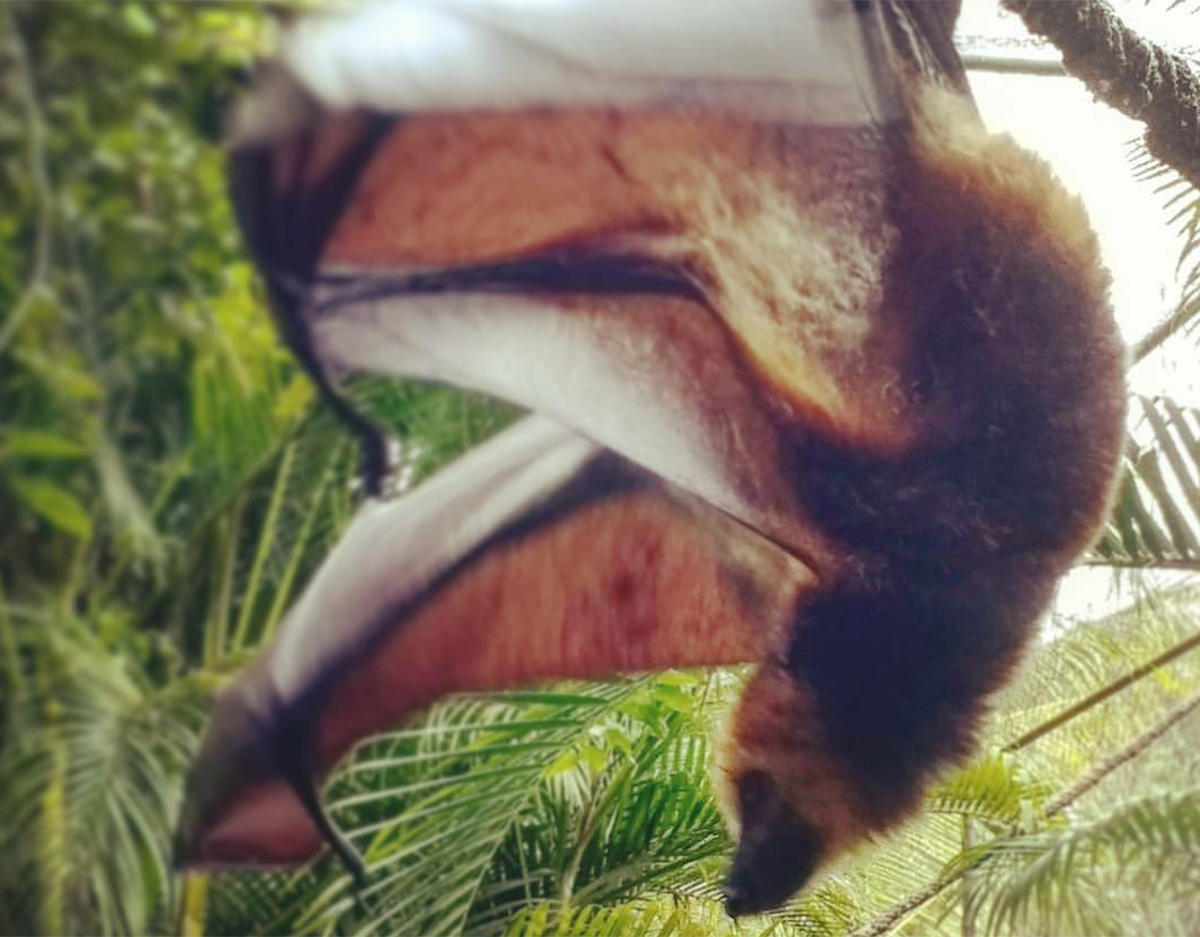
column 791, row 803
column 778, row 848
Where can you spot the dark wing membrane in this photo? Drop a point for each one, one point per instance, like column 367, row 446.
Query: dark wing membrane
column 929, row 27
column 288, row 195
column 537, row 556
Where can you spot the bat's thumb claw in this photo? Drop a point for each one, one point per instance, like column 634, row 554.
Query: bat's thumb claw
column 383, row 467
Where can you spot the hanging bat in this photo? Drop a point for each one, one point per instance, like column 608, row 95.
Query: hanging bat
column 822, row 377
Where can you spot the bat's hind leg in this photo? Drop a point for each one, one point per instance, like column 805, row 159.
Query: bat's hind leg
column 293, row 765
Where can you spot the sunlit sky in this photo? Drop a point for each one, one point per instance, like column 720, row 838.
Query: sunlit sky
column 1086, row 143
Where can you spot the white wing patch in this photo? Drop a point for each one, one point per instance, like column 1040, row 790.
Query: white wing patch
column 650, row 378
column 775, row 59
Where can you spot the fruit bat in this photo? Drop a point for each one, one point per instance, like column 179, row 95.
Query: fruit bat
column 821, row 377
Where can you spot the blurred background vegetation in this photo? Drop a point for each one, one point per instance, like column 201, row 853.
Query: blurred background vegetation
column 167, row 483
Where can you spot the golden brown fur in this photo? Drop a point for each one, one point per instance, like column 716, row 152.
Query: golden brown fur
column 952, row 546
column 952, row 426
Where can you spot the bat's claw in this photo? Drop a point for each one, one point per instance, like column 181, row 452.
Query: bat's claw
column 293, row 765
column 379, row 453
column 376, row 469
column 382, row 460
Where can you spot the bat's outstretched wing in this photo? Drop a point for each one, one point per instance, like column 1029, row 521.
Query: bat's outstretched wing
column 538, row 555
column 666, row 234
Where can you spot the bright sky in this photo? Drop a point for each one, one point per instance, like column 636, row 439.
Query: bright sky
column 1086, row 142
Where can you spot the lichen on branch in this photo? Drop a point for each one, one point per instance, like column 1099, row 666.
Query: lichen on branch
column 1126, row 71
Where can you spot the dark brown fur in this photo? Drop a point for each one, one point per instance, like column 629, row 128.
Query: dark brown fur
column 950, row 550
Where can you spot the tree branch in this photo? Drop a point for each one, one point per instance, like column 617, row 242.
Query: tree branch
column 911, row 902
column 1127, row 72
column 884, row 922
column 1190, row 566
column 1128, row 753
column 1012, row 64
column 905, row 906
column 1189, row 643
column 1153, row 339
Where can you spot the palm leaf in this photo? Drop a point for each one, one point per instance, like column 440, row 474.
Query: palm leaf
column 1181, row 201
column 90, row 788
column 990, row 788
column 1059, row 880
column 1156, row 518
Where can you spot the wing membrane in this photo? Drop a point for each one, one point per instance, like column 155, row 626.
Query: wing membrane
column 537, row 556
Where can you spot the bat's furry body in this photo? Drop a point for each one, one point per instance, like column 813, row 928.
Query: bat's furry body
column 863, row 393
column 945, row 552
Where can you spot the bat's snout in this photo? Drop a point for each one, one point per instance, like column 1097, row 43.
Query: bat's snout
column 770, row 866
column 776, row 853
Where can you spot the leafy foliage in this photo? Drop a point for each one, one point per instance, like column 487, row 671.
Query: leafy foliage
column 1030, row 880
column 1156, row 519
column 1182, row 202
column 165, row 481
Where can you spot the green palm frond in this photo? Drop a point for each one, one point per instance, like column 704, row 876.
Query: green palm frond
column 678, row 917
column 1061, row 672
column 433, row 806
column 89, row 789
column 911, row 882
column 1055, row 881
column 991, row 789
column 1156, row 518
column 829, row 910
column 1181, row 202
column 168, row 482
column 584, row 795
